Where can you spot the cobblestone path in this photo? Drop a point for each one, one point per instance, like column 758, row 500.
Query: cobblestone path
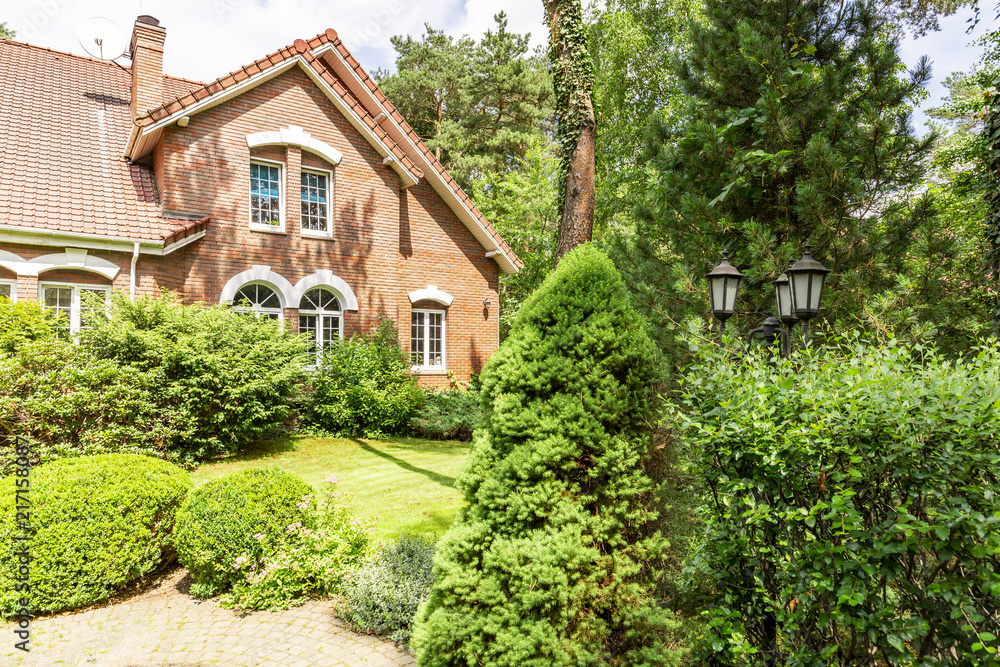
column 167, row 627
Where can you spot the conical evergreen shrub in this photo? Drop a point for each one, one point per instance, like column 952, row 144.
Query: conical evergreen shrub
column 555, row 559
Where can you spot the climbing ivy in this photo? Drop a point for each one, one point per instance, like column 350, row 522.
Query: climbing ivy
column 573, row 75
column 992, row 134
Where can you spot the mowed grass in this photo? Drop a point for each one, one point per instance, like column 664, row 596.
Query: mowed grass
column 408, row 484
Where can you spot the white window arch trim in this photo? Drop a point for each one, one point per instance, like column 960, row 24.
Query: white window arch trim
column 431, row 293
column 293, row 135
column 261, row 275
column 325, row 278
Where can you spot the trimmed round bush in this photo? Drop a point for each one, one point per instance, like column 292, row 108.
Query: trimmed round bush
column 99, row 521
column 242, row 513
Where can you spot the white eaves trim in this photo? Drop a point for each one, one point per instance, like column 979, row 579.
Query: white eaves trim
column 142, row 139
column 430, row 173
column 293, row 135
column 46, row 237
column 431, row 293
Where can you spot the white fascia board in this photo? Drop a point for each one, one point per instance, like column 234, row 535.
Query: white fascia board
column 137, row 140
column 45, row 237
column 430, row 173
column 187, row 240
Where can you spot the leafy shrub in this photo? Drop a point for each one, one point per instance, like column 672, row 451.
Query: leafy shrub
column 451, row 415
column 852, row 506
column 556, row 558
column 383, row 596
column 99, row 521
column 363, row 387
column 234, row 377
column 69, row 403
column 304, row 562
column 237, row 515
column 23, row 322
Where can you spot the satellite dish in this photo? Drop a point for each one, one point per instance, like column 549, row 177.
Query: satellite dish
column 102, row 38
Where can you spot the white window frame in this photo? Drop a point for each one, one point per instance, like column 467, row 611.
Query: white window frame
column 257, row 226
column 329, row 204
column 258, row 311
column 13, row 289
column 75, row 302
column 424, row 368
column 319, row 315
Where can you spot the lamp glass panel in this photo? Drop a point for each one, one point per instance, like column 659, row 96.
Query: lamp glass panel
column 783, row 293
column 731, row 285
column 800, row 291
column 716, row 287
column 817, row 291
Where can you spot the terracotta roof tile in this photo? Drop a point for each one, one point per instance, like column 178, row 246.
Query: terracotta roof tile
column 63, row 168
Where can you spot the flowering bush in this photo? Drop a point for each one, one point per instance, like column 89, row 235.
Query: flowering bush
column 304, row 561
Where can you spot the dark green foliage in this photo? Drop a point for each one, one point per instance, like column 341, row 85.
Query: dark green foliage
column 992, row 195
column 450, row 415
column 69, row 403
column 363, row 387
column 555, row 560
column 476, row 105
column 233, row 376
column 243, row 512
column 852, row 506
column 383, row 596
column 99, row 521
column 797, row 130
column 23, row 322
column 5, row 32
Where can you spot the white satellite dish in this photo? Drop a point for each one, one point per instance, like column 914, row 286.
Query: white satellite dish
column 102, row 38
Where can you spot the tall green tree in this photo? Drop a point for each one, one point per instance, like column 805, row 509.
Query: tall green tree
column 555, row 559
column 798, row 131
column 573, row 71
column 633, row 43
column 476, row 104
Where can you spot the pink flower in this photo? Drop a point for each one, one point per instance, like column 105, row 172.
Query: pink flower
column 259, row 537
column 331, row 479
column 239, row 562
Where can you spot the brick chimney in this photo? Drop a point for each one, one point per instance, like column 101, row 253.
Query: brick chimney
column 147, row 65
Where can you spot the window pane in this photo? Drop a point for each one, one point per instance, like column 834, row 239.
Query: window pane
column 5, row 291
column 314, row 194
column 435, row 342
column 307, row 325
column 417, row 339
column 265, row 194
column 91, row 312
column 59, row 301
column 320, row 299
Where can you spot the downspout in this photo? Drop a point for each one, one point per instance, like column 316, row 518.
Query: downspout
column 135, row 260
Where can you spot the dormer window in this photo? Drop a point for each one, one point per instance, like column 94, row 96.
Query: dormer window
column 266, row 196
column 315, row 202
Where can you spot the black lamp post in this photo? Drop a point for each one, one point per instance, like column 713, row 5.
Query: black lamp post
column 783, row 297
column 806, row 281
column 723, row 281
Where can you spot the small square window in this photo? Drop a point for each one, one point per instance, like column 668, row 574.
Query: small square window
column 266, row 196
column 315, row 203
column 8, row 290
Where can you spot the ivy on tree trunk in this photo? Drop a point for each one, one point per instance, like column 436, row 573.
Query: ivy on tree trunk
column 992, row 134
column 577, row 131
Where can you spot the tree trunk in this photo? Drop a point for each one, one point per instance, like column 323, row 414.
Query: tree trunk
column 574, row 93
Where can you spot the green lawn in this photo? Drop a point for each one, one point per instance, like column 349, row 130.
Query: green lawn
column 408, row 484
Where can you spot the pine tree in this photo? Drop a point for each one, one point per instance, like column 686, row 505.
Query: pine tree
column 799, row 132
column 554, row 560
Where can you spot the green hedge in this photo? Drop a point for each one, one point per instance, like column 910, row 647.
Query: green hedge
column 852, row 504
column 100, row 522
column 69, row 403
column 450, row 415
column 240, row 514
column 234, row 377
column 363, row 387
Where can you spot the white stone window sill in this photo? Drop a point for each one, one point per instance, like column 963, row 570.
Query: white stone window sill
column 423, row 370
column 316, row 235
column 267, row 229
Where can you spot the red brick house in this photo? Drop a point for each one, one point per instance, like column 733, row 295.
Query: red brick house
column 291, row 187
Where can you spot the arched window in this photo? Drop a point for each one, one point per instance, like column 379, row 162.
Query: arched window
column 258, row 299
column 321, row 317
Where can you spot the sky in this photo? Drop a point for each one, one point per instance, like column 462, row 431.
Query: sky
column 209, row 38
